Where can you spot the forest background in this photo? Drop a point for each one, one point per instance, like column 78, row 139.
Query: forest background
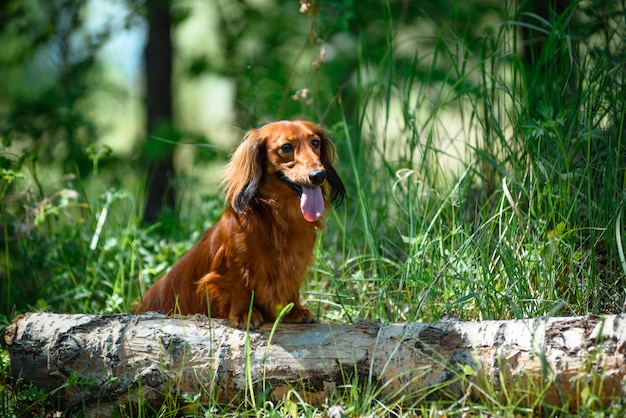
column 480, row 143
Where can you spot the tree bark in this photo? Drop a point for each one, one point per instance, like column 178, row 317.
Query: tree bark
column 539, row 362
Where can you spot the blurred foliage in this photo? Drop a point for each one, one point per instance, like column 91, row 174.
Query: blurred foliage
column 330, row 61
column 49, row 66
column 284, row 69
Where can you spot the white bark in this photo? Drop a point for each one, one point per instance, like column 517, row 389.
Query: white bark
column 547, row 361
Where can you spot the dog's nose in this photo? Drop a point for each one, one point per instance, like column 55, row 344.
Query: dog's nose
column 317, row 177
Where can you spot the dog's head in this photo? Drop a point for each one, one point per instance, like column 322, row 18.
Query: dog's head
column 281, row 159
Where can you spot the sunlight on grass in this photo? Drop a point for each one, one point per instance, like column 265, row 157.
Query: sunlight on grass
column 483, row 183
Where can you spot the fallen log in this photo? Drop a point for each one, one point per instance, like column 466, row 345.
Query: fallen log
column 562, row 362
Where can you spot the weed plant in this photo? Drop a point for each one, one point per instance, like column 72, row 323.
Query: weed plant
column 486, row 180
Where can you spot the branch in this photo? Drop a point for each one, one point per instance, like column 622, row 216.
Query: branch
column 121, row 358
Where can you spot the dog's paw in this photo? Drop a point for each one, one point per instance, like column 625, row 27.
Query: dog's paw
column 300, row 316
column 240, row 320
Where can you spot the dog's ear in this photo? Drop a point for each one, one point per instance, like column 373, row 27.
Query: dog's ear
column 244, row 172
column 327, row 156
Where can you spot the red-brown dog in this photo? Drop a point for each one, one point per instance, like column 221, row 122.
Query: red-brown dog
column 278, row 183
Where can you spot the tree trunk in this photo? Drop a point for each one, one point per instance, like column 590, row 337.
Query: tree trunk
column 534, row 362
column 160, row 154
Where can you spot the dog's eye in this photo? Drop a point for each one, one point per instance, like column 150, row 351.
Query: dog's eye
column 286, row 148
column 315, row 143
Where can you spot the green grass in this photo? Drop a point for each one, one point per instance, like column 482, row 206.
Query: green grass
column 481, row 183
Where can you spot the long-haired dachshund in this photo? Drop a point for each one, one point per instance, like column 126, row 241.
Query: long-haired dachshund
column 278, row 183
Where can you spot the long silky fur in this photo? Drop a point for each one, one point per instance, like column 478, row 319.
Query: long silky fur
column 244, row 172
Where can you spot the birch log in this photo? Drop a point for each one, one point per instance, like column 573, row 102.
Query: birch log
column 542, row 361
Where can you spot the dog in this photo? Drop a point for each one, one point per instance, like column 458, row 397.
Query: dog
column 250, row 264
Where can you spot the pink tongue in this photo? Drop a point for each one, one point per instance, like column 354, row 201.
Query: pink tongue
column 312, row 203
